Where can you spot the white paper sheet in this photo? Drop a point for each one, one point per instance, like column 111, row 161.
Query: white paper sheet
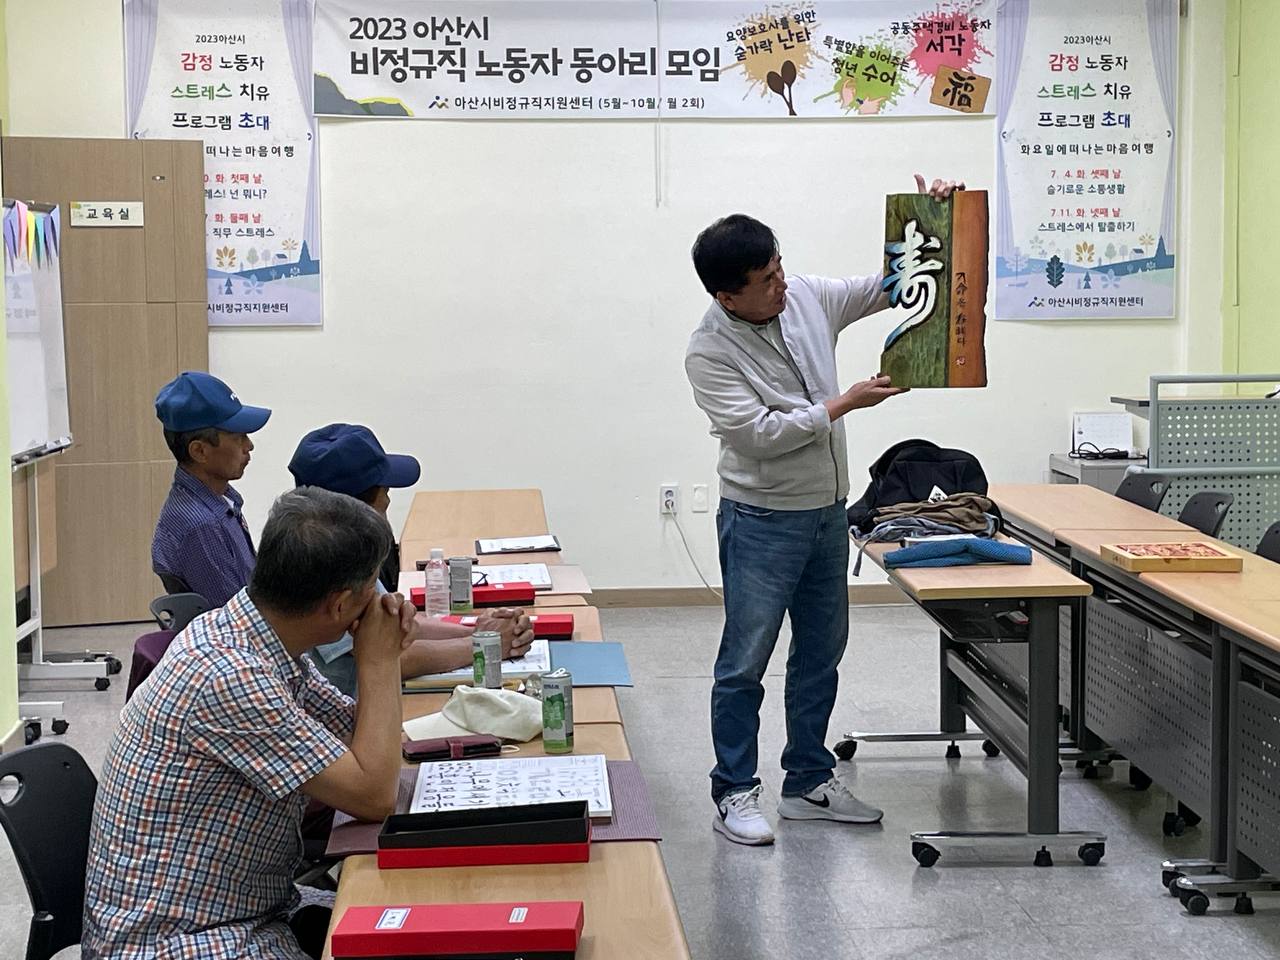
column 518, row 544
column 536, row 574
column 509, row 782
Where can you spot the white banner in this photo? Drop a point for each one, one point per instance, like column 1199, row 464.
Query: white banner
column 1087, row 103
column 237, row 75
column 577, row 59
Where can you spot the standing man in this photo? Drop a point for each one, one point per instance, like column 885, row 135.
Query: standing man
column 202, row 542
column 763, row 368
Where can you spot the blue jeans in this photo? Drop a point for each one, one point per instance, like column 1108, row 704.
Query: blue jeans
column 775, row 562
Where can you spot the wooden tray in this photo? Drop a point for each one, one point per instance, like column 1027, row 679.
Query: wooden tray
column 1183, row 556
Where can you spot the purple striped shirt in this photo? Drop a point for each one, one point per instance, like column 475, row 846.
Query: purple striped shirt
column 202, row 539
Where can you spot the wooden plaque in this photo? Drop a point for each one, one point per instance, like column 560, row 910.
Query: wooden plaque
column 935, row 266
column 1184, row 557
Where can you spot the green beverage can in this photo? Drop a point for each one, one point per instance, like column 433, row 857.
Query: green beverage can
column 557, row 711
column 486, row 656
column 460, row 596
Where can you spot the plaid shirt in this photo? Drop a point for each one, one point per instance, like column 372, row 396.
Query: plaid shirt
column 202, row 538
column 195, row 835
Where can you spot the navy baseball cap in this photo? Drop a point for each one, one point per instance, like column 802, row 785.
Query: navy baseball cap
column 347, row 458
column 196, row 401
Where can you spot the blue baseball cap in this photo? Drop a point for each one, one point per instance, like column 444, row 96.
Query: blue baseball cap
column 347, row 458
column 196, row 401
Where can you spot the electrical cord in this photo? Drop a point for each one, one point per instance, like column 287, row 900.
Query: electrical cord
column 1091, row 451
column 692, row 559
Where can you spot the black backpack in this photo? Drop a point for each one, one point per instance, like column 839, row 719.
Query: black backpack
column 914, row 471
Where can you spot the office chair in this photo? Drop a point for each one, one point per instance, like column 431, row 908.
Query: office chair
column 175, row 610
column 1144, row 489
column 1269, row 545
column 1206, row 511
column 147, row 651
column 173, row 584
column 47, row 823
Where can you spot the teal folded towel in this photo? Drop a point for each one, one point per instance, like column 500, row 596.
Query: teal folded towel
column 958, row 553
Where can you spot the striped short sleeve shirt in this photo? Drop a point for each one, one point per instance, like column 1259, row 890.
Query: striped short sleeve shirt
column 195, row 835
column 202, row 539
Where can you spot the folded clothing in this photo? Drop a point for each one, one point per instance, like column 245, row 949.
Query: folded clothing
column 957, row 553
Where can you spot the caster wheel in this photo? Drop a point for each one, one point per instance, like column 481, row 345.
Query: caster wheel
column 31, row 732
column 1091, row 854
column 113, row 666
column 953, row 752
column 1189, row 816
column 845, row 749
column 990, row 748
column 1090, row 772
column 1244, row 905
column 1044, row 858
column 101, row 683
column 1169, row 880
column 1137, row 779
column 1173, row 825
column 1196, row 903
column 1083, row 764
column 925, row 855
column 60, row 726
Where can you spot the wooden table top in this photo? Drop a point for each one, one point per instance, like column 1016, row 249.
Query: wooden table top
column 628, row 907
column 1091, row 541
column 591, row 705
column 609, row 739
column 419, row 548
column 1041, row 578
column 467, row 514
column 1051, row 507
column 1220, row 595
column 1248, row 602
column 1259, row 620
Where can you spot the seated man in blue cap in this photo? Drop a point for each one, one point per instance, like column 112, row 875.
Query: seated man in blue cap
column 202, row 543
column 347, row 458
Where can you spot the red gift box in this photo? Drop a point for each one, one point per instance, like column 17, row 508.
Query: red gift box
column 552, row 626
column 502, row 594
column 546, row 626
column 542, row 929
column 485, row 595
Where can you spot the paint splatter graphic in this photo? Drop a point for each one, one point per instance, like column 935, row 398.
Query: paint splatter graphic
column 870, row 75
column 777, row 50
column 945, row 38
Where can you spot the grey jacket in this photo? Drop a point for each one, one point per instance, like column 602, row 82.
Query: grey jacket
column 779, row 449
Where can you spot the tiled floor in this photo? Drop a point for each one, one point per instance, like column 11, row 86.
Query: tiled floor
column 828, row 891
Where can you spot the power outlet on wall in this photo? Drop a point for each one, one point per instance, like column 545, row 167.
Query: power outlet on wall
column 669, row 498
column 700, row 498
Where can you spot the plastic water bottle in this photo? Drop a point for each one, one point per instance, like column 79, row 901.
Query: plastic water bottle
column 437, row 584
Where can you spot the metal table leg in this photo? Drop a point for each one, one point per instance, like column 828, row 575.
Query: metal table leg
column 1227, row 872
column 1040, row 761
column 952, row 725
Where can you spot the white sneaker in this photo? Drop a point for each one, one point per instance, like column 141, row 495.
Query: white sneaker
column 830, row 801
column 740, row 818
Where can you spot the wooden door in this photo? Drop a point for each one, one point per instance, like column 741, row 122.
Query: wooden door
column 135, row 316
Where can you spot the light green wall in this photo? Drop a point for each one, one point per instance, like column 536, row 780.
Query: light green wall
column 1251, row 287
column 4, row 72
column 8, row 641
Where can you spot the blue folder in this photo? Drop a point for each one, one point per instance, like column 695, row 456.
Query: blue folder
column 592, row 664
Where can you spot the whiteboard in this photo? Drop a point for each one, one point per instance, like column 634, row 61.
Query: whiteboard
column 39, row 421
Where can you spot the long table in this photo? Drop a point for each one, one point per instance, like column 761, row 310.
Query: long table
column 628, row 905
column 1179, row 673
column 982, row 614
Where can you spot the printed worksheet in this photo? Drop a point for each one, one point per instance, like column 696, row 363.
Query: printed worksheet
column 510, row 782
